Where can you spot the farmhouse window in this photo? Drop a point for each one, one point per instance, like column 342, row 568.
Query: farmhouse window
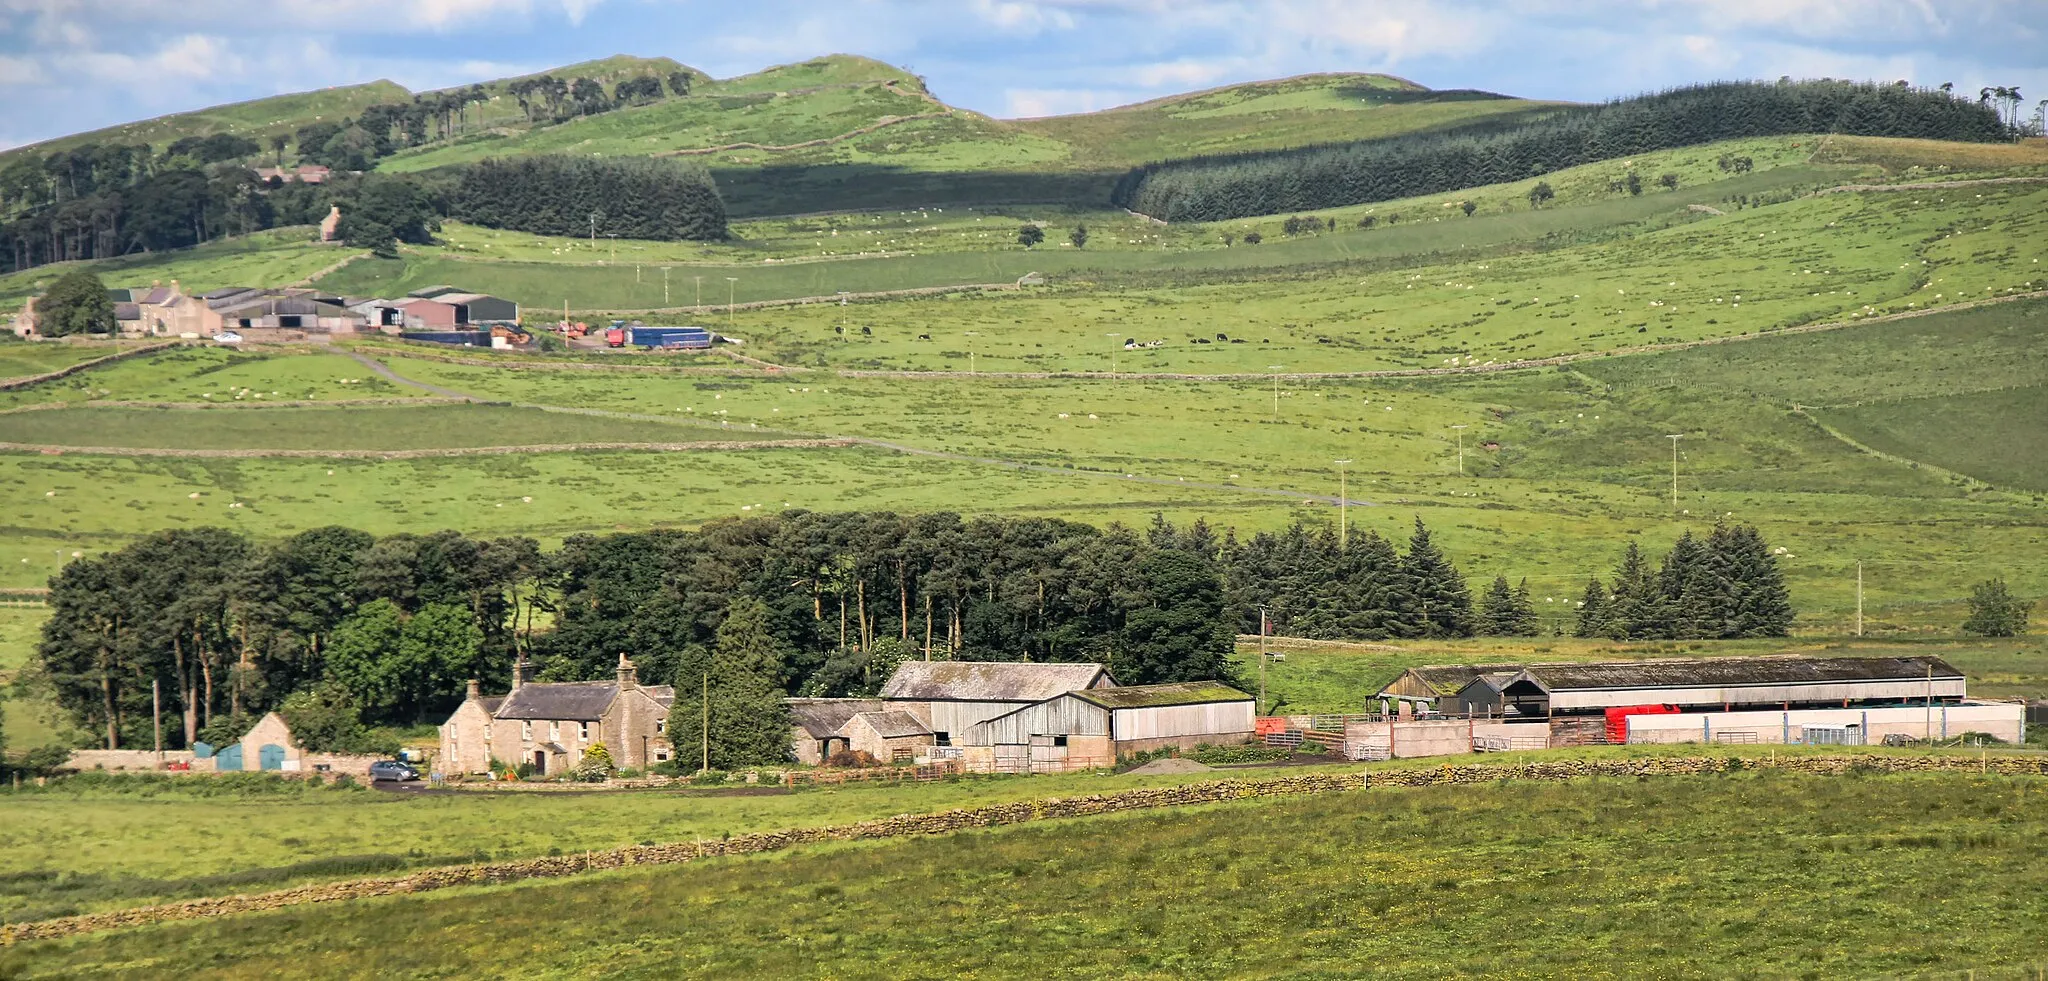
column 660, row 726
column 555, row 731
column 584, row 734
column 526, row 731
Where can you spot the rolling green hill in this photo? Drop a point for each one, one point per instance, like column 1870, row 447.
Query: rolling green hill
column 255, row 119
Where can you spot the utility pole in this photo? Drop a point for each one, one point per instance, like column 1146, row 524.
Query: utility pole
column 970, row 350
column 1461, row 449
column 614, row 236
column 842, row 311
column 700, row 295
column 1859, row 599
column 1343, row 506
column 156, row 711
column 1276, row 389
column 1674, row 467
column 732, row 285
column 705, row 731
column 664, row 286
column 593, row 231
column 1262, row 658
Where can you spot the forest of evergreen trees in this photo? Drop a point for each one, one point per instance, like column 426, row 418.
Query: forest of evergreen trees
column 1245, row 185
column 391, row 628
column 633, row 197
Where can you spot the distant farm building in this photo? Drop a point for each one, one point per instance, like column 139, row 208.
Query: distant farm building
column 1017, row 717
column 1781, row 699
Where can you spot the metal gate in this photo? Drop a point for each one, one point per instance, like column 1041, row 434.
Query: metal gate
column 270, row 756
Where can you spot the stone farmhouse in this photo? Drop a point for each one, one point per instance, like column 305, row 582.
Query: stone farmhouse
column 1016, row 717
column 551, row 725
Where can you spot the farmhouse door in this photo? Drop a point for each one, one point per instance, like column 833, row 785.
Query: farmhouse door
column 540, row 762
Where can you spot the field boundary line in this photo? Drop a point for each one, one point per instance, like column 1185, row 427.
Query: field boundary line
column 995, row 815
column 274, row 404
column 25, row 381
column 1804, row 412
column 1929, row 185
column 1550, row 362
column 417, row 454
column 879, row 124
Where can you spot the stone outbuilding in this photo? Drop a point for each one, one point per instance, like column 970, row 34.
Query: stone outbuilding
column 551, row 725
column 815, row 725
column 889, row 736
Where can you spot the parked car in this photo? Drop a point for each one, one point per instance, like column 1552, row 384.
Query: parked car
column 227, row 337
column 393, row 770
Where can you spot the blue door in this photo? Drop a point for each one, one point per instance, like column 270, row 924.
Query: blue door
column 270, row 756
column 229, row 757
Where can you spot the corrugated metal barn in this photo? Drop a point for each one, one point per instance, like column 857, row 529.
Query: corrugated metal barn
column 950, row 697
column 1091, row 728
column 1547, row 690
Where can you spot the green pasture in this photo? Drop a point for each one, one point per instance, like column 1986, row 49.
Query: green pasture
column 213, row 374
column 18, row 360
column 2007, row 432
column 278, row 257
column 1940, row 869
column 31, row 719
column 338, row 428
column 76, row 850
column 256, row 118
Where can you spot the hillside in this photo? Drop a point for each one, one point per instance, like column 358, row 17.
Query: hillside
column 256, row 119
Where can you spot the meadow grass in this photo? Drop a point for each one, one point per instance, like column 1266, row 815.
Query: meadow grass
column 23, row 360
column 1736, row 875
column 31, row 718
column 278, row 257
column 204, row 374
column 338, row 428
column 2008, row 443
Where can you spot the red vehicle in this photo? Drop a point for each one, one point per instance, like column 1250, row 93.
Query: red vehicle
column 615, row 336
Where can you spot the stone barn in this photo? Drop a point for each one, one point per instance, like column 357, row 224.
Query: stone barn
column 816, row 723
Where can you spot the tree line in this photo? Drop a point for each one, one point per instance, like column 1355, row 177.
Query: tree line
column 346, row 628
column 1494, row 152
column 636, row 197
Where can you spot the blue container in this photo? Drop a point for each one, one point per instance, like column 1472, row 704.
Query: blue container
column 694, row 338
column 456, row 338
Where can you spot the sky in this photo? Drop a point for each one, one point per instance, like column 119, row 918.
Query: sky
column 73, row 65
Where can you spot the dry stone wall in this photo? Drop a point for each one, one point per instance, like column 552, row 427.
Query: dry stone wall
column 996, row 815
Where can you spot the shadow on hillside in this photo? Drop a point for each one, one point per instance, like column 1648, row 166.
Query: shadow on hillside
column 1370, row 94
column 790, row 190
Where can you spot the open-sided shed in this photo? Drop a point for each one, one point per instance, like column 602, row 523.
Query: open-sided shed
column 1092, row 727
column 1783, row 682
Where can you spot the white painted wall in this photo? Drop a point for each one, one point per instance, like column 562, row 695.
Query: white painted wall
column 2003, row 720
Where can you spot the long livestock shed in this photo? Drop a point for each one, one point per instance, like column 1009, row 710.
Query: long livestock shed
column 1786, row 682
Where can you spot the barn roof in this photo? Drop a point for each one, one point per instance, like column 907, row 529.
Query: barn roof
column 1728, row 672
column 1446, row 679
column 1155, row 696
column 822, row 717
column 989, row 681
column 891, row 725
column 576, row 701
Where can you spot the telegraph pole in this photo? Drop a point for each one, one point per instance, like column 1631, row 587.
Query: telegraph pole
column 593, row 231
column 1262, row 658
column 700, row 296
column 732, row 285
column 705, row 731
column 1859, row 599
column 1461, row 449
column 1674, row 467
column 1276, row 389
column 1343, row 506
column 156, row 711
column 664, row 286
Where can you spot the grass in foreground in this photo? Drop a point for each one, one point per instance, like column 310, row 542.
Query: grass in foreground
column 1724, row 876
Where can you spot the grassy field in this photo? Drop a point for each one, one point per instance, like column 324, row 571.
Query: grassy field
column 21, row 360
column 1941, row 871
column 213, row 374
column 278, row 257
column 2008, row 444
column 350, row 428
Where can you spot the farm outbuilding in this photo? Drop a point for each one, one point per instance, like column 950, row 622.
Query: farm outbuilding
column 1701, row 684
column 1091, row 728
column 815, row 725
column 1426, row 687
column 949, row 697
column 889, row 736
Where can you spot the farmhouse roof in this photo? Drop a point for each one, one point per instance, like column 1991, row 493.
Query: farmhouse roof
column 822, row 717
column 1154, row 696
column 573, row 701
column 491, row 703
column 989, row 681
column 664, row 694
column 127, row 311
column 1734, row 672
column 156, row 295
column 891, row 725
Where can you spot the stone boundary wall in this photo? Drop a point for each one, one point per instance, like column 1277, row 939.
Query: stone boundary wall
column 25, row 381
column 997, row 815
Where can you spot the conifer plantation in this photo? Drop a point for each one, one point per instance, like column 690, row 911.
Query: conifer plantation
column 1239, row 186
column 1725, row 586
column 637, row 198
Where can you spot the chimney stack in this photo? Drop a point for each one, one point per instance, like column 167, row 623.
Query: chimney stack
column 476, row 689
column 629, row 676
column 521, row 672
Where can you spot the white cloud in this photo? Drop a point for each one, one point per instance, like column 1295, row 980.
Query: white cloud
column 1023, row 18
column 21, row 71
column 61, row 18
column 1029, row 103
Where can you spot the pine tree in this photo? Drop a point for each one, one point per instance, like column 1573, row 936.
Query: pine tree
column 1443, row 604
column 749, row 720
column 1524, row 609
column 1593, row 611
column 1758, row 604
column 1685, row 591
column 1496, row 610
column 1632, row 612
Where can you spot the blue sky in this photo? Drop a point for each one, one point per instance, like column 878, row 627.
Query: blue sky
column 71, row 65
